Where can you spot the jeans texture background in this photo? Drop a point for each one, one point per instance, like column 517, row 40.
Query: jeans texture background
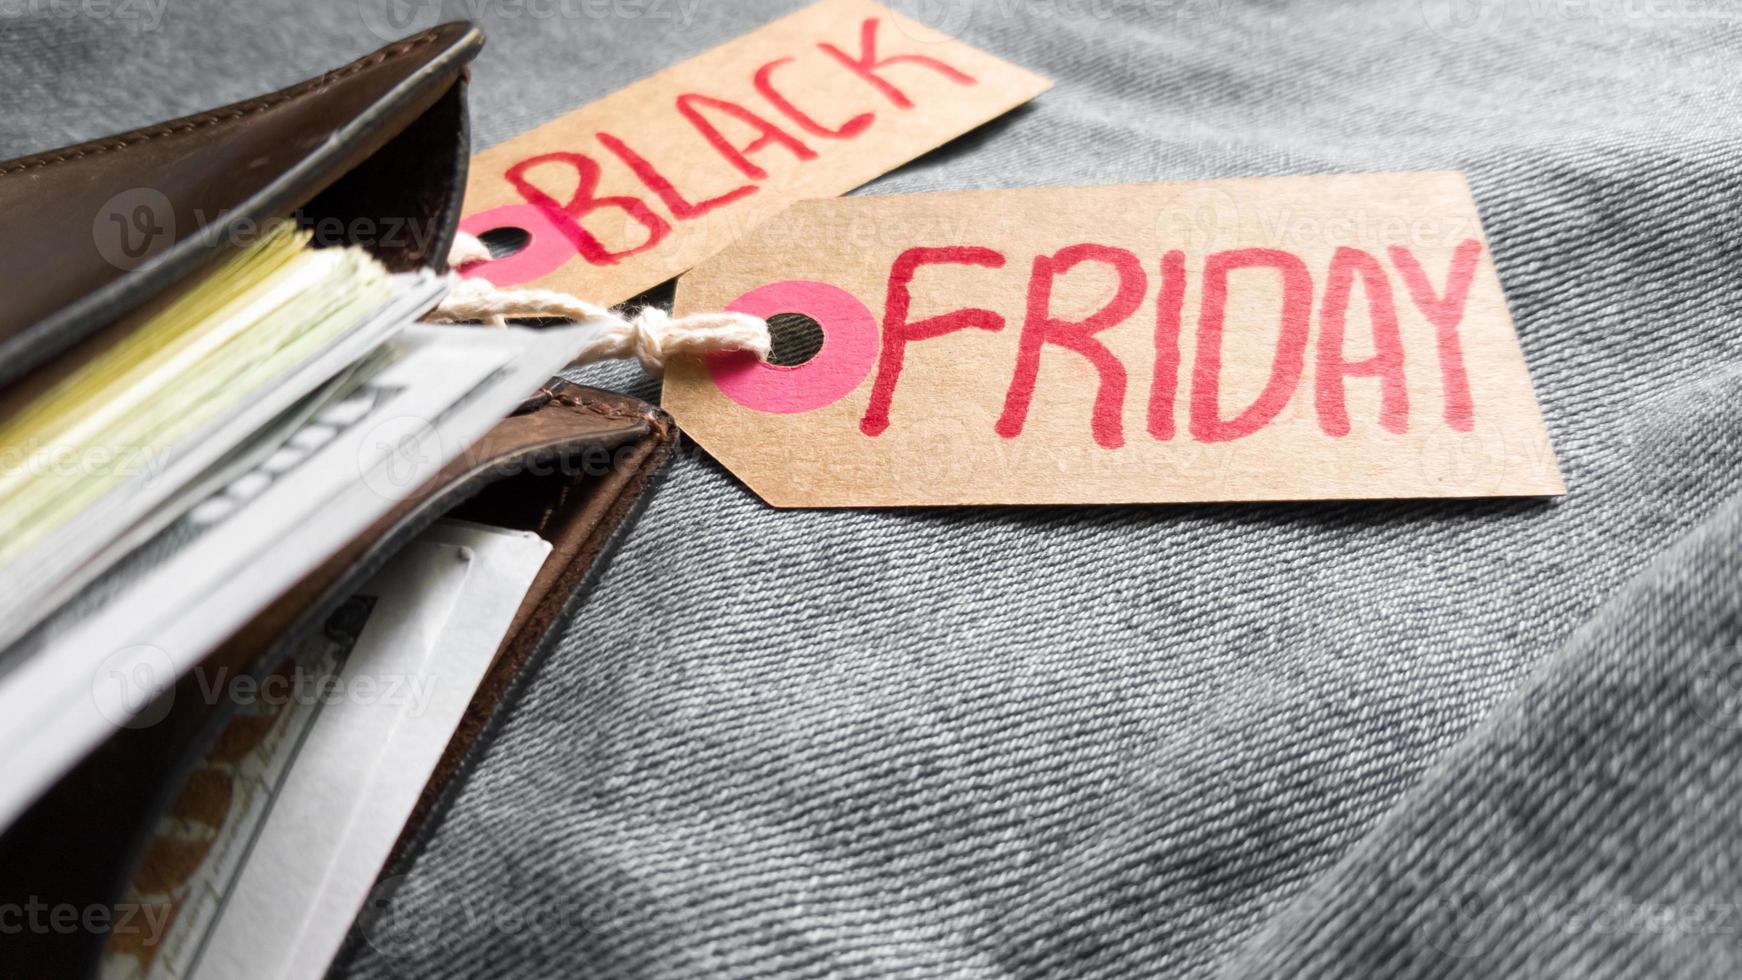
column 1434, row 738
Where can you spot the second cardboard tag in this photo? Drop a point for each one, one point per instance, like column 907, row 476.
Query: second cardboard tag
column 626, row 192
column 1267, row 339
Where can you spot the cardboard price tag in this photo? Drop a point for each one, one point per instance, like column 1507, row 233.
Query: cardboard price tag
column 1268, row 339
column 626, row 192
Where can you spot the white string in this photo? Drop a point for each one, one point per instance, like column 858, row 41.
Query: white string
column 651, row 334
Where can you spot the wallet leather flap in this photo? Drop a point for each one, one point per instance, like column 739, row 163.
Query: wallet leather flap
column 93, row 231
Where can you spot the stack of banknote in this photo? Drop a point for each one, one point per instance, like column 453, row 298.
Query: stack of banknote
column 162, row 488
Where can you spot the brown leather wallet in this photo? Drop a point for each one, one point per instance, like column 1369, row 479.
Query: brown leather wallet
column 379, row 140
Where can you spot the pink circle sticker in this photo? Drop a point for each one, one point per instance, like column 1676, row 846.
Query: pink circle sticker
column 545, row 253
column 848, row 351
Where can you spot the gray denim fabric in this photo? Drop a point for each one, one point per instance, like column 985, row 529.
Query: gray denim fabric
column 1435, row 738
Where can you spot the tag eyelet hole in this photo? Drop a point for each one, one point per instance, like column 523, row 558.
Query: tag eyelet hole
column 506, row 241
column 794, row 338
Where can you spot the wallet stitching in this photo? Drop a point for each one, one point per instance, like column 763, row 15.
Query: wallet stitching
column 654, row 418
column 238, row 111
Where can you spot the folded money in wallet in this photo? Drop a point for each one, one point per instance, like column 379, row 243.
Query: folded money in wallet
column 226, row 443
